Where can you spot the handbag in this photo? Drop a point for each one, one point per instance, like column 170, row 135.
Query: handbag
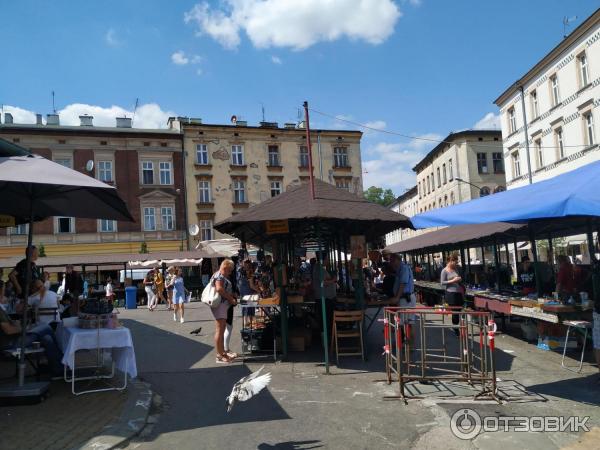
column 210, row 296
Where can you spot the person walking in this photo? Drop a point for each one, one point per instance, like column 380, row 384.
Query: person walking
column 159, row 284
column 451, row 281
column 225, row 289
column 169, row 286
column 179, row 295
column 149, row 287
column 109, row 290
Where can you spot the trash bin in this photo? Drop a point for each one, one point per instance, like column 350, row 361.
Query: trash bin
column 131, row 297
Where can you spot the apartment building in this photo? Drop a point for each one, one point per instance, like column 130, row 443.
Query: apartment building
column 146, row 167
column 232, row 167
column 408, row 205
column 465, row 165
column 558, row 100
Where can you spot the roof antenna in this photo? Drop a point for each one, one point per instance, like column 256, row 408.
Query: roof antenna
column 262, row 107
column 137, row 101
column 53, row 104
column 566, row 22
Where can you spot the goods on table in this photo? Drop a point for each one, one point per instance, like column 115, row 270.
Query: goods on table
column 91, row 321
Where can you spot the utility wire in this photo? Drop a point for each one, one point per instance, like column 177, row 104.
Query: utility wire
column 420, row 138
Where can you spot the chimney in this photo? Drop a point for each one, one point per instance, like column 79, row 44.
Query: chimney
column 86, row 121
column 52, row 119
column 38, row 119
column 8, row 118
column 123, row 122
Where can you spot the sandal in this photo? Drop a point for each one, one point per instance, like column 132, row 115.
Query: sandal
column 231, row 355
column 223, row 359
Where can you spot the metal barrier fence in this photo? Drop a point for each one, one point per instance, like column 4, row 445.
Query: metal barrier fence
column 410, row 358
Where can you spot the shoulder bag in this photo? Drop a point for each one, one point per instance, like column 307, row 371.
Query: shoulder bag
column 210, row 296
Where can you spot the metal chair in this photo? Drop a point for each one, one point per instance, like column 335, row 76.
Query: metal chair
column 582, row 325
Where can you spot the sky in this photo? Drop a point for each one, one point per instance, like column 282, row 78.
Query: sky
column 421, row 68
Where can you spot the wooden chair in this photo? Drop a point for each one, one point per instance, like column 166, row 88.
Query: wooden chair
column 353, row 330
column 46, row 312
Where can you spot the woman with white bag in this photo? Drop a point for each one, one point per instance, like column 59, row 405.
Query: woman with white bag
column 224, row 289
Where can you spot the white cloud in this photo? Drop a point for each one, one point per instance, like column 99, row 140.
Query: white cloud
column 111, row 38
column 296, row 25
column 276, row 60
column 149, row 115
column 389, row 164
column 199, row 72
column 179, row 58
column 490, row 121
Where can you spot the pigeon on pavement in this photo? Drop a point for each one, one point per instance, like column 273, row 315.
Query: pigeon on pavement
column 248, row 387
column 196, row 331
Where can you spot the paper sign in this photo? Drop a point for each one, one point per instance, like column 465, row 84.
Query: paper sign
column 277, row 227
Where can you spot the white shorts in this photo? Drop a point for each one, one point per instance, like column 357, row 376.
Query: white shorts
column 404, row 303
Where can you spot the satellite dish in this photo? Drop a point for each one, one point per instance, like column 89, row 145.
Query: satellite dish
column 194, row 230
column 89, row 166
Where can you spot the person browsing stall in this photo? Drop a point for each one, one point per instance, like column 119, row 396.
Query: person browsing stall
column 17, row 276
column 225, row 289
column 404, row 285
column 451, row 281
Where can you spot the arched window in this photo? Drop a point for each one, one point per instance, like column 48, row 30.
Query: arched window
column 499, row 189
column 484, row 191
column 445, row 200
column 452, row 198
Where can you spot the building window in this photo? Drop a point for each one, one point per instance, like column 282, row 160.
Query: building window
column 512, row 121
column 539, row 153
column 498, row 162
column 206, row 230
column 165, row 172
column 108, row 226
column 584, row 76
column 340, row 157
column 499, row 189
column 237, row 155
column 432, row 182
column 558, row 136
column 204, row 191
column 452, row 198
column 202, row 154
column 105, row 172
column 275, row 188
column 419, row 188
column 147, row 172
column 535, row 110
column 516, row 164
column 482, row 166
column 239, row 191
column 589, row 128
column 450, row 174
column 65, row 225
column 149, row 219
column 428, row 185
column 65, row 162
column 439, row 178
column 555, row 91
column 166, row 215
column 20, row 229
column 484, row 191
column 303, row 156
column 439, row 203
column 444, row 173
column 342, row 183
column 274, row 156
column 445, row 200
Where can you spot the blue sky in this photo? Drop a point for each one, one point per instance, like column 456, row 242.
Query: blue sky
column 418, row 67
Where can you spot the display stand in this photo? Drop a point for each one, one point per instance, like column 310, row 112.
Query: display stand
column 251, row 346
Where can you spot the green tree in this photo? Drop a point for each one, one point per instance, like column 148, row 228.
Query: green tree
column 144, row 248
column 379, row 195
column 42, row 251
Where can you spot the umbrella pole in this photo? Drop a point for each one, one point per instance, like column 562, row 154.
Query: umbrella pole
column 323, row 307
column 25, row 292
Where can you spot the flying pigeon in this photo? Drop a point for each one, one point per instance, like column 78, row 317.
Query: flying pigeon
column 248, row 387
column 196, row 331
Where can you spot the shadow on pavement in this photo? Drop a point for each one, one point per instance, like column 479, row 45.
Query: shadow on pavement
column 292, row 445
column 582, row 389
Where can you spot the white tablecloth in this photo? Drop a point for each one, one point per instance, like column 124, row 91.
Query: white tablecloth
column 71, row 339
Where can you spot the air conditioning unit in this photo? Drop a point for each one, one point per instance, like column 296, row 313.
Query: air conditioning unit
column 484, row 169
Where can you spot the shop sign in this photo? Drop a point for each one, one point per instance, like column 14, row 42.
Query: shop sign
column 7, row 221
column 277, row 227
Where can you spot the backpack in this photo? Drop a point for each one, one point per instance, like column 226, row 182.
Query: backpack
column 210, row 296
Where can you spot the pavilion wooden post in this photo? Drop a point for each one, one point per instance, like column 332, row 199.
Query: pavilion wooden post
column 516, row 260
column 462, row 260
column 536, row 270
column 594, row 263
column 339, row 259
column 497, row 264
column 346, row 265
column 323, row 306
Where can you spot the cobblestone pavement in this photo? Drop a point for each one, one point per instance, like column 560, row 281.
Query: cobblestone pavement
column 304, row 408
column 62, row 421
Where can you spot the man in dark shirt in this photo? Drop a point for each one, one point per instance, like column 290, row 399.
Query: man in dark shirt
column 17, row 276
column 527, row 276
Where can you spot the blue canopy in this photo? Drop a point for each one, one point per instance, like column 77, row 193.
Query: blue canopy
column 575, row 193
